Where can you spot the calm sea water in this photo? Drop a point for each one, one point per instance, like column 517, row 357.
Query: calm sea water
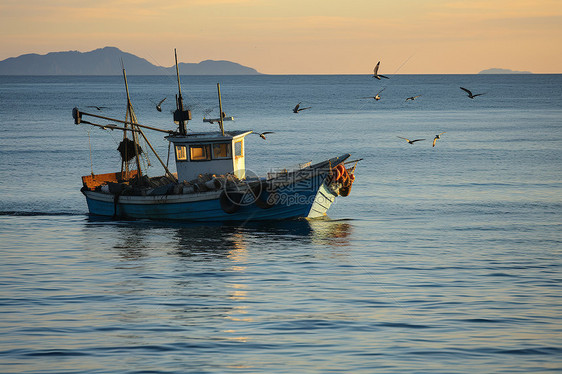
column 442, row 260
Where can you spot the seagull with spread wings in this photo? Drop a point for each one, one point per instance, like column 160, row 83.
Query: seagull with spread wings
column 411, row 141
column 262, row 134
column 297, row 108
column 438, row 136
column 376, row 72
column 470, row 94
column 412, row 98
column 159, row 105
column 376, row 97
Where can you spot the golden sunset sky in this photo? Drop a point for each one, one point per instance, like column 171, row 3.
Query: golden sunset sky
column 299, row 36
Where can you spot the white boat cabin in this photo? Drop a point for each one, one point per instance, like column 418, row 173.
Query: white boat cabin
column 209, row 153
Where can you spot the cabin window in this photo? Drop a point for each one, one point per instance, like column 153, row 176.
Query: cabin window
column 238, row 149
column 181, row 153
column 200, row 152
column 222, row 150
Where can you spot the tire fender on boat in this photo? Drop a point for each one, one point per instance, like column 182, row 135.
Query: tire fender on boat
column 345, row 190
column 230, row 201
column 261, row 200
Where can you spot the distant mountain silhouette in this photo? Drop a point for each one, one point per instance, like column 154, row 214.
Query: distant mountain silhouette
column 107, row 61
column 503, row 71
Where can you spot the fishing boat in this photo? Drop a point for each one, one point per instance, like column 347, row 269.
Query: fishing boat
column 211, row 182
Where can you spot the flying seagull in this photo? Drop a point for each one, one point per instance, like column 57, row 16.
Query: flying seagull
column 411, row 141
column 376, row 97
column 297, row 108
column 470, row 95
column 262, row 135
column 97, row 107
column 158, row 106
column 213, row 120
column 438, row 136
column 376, row 72
column 412, row 98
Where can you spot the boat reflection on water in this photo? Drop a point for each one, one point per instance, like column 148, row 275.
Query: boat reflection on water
column 332, row 233
column 206, row 276
column 206, row 242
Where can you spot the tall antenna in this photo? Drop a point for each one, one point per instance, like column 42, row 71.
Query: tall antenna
column 181, row 116
column 180, row 101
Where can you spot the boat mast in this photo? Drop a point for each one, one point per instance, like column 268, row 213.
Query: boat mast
column 124, row 164
column 133, row 120
column 221, row 115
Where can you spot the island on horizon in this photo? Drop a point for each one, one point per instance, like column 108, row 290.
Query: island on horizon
column 503, row 71
column 107, row 61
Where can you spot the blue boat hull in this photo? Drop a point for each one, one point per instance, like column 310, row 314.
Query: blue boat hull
column 309, row 197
